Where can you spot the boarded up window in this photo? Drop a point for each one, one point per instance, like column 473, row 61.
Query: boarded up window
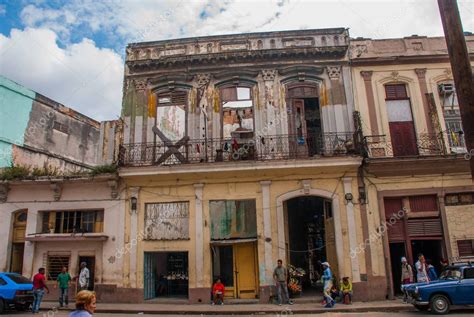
column 423, row 203
column 232, row 219
column 466, row 247
column 167, row 221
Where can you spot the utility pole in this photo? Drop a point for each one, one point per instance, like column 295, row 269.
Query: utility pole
column 461, row 67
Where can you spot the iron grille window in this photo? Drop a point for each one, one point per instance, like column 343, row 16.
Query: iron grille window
column 55, row 265
column 73, row 221
column 466, row 247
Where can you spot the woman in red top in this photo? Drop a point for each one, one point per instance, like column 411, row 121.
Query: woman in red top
column 218, row 292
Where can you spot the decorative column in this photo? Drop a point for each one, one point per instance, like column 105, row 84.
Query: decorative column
column 351, row 226
column 29, row 252
column 369, row 92
column 267, row 232
column 421, row 73
column 198, row 189
column 134, row 194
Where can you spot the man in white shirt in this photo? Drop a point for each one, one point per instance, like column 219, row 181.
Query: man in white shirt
column 421, row 272
column 84, row 277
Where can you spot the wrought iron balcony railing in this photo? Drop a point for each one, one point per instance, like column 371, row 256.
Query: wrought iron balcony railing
column 261, row 148
column 378, row 146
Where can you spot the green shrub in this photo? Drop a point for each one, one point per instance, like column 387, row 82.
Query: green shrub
column 14, row 172
column 104, row 169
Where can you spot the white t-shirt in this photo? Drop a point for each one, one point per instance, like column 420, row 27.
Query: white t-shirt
column 84, row 277
column 421, row 275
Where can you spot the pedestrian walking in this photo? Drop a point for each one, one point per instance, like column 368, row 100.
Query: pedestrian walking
column 280, row 275
column 421, row 270
column 63, row 283
column 327, row 286
column 39, row 285
column 84, row 277
column 85, row 304
column 406, row 276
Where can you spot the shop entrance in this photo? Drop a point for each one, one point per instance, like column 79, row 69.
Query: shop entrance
column 236, row 265
column 90, row 263
column 309, row 241
column 166, row 275
column 18, row 241
column 431, row 249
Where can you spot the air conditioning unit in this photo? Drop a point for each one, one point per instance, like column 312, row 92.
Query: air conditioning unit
column 446, row 88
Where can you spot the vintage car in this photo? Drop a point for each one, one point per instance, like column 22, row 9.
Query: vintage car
column 455, row 286
column 16, row 292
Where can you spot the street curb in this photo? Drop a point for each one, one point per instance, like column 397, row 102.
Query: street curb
column 287, row 310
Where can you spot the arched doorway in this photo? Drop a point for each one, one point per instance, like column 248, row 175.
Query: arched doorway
column 309, row 239
column 18, row 240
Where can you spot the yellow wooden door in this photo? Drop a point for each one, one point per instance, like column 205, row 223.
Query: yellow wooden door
column 245, row 270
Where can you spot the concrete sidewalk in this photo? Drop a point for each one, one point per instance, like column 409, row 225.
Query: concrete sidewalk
column 238, row 309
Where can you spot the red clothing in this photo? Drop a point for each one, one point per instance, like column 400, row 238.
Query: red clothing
column 218, row 287
column 39, row 281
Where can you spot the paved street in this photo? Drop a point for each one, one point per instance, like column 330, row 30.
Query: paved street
column 285, row 313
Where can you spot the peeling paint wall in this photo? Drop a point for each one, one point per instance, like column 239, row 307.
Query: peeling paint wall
column 36, row 131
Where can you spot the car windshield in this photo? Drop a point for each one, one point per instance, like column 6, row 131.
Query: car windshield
column 19, row 279
column 450, row 274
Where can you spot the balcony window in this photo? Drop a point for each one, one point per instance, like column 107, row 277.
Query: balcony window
column 171, row 115
column 237, row 113
column 452, row 116
column 90, row 221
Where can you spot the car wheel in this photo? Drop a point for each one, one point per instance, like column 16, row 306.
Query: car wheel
column 439, row 305
column 422, row 307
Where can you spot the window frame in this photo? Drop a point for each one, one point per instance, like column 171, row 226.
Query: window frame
column 164, row 94
column 222, row 106
column 56, row 221
column 49, row 277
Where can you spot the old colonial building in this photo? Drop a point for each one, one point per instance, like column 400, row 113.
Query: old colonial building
column 416, row 168
column 240, row 150
column 54, row 212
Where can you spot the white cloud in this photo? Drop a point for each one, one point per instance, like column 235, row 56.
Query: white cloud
column 3, row 9
column 81, row 76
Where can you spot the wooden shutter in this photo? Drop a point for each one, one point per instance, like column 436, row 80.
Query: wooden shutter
column 395, row 229
column 423, row 227
column 397, row 91
column 229, row 94
column 465, row 247
column 423, row 203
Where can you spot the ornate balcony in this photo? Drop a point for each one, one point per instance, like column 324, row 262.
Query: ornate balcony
column 261, row 148
column 380, row 146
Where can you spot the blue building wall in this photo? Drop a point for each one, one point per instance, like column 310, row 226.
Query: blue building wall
column 15, row 106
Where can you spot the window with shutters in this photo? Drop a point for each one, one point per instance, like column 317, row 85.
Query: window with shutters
column 465, row 247
column 55, row 265
column 423, row 203
column 237, row 110
column 171, row 114
column 398, row 103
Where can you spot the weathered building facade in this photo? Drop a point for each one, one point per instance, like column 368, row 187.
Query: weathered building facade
column 54, row 212
column 416, row 167
column 240, row 150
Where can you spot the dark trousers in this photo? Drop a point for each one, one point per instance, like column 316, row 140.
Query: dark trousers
column 63, row 296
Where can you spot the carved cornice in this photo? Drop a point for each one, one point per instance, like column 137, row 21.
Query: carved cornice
column 224, row 58
column 269, row 74
column 301, row 69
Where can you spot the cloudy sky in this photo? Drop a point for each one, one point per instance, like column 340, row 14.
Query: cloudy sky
column 73, row 50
